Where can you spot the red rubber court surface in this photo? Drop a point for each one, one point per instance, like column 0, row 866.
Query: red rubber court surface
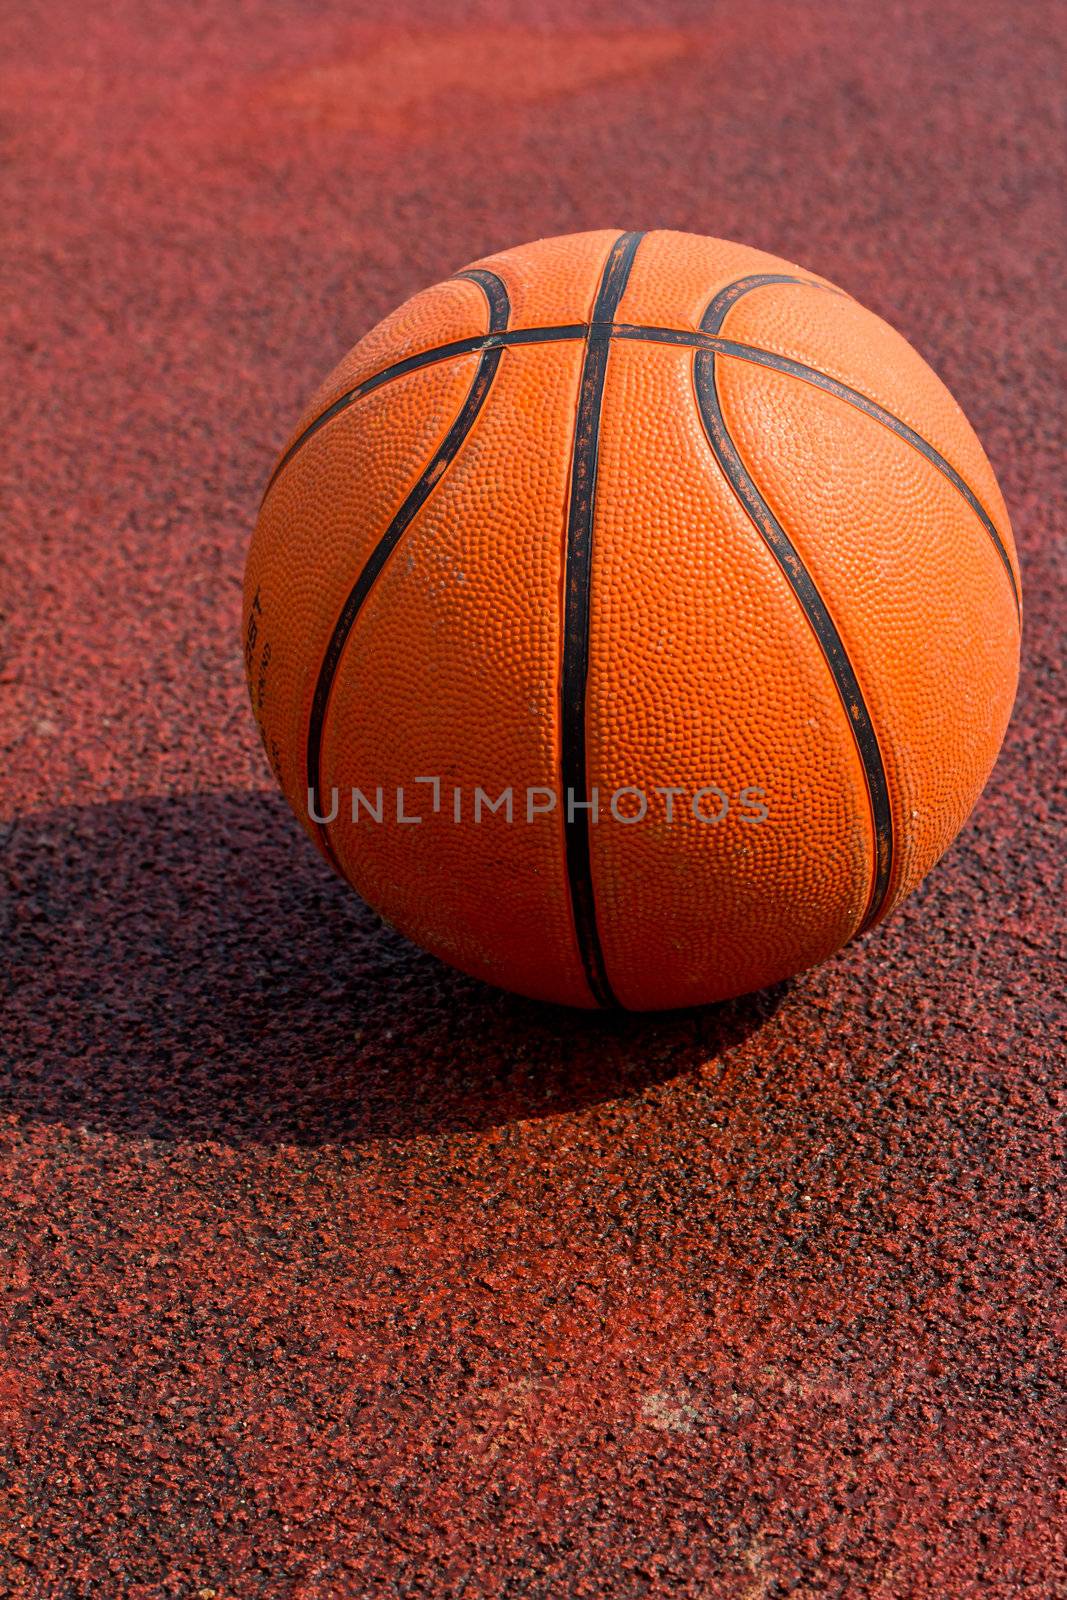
column 328, row 1272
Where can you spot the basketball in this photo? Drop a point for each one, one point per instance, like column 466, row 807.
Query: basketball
column 633, row 620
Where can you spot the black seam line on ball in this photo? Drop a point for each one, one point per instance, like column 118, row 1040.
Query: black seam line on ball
column 676, row 336
column 477, row 343
column 473, row 345
column 822, row 623
column 499, row 313
column 577, row 573
column 495, row 293
column 842, row 391
column 413, row 503
column 727, row 298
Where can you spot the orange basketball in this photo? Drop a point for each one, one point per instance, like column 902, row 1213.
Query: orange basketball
column 632, row 619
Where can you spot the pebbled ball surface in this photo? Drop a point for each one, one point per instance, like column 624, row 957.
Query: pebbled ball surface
column 331, row 1273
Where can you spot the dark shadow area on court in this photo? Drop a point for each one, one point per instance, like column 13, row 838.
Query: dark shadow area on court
column 189, row 969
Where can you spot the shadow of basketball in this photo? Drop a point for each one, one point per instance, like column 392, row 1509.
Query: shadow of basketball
column 189, row 969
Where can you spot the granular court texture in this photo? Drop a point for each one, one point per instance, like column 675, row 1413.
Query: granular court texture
column 328, row 1272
